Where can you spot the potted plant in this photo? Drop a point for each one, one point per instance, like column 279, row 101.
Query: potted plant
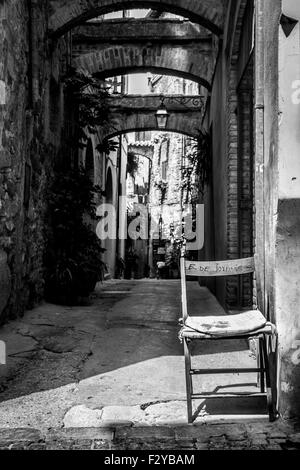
column 73, row 258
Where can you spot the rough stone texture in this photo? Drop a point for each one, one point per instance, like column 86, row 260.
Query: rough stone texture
column 151, row 103
column 143, row 29
column 13, row 65
column 166, row 413
column 5, row 280
column 186, row 123
column 287, row 272
column 230, row 436
column 209, row 13
column 131, row 414
column 133, row 113
column 281, row 231
column 27, row 150
column 80, row 416
column 287, row 276
column 194, row 62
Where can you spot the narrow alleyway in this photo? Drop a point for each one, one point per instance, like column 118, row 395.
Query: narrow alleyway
column 118, row 359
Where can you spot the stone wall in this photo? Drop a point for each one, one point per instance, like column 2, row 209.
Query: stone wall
column 30, row 121
column 193, row 60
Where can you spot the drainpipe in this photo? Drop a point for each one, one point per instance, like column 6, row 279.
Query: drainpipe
column 150, row 242
column 259, row 155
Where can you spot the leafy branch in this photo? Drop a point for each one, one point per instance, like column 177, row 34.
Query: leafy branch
column 196, row 174
column 89, row 98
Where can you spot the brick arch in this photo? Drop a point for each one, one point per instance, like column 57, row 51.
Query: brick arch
column 187, row 123
column 188, row 62
column 65, row 14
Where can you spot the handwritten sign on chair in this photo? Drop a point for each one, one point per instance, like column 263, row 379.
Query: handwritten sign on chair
column 219, row 268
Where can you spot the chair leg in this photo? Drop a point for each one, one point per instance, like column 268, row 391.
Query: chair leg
column 188, row 379
column 258, row 380
column 261, row 365
column 273, row 351
column 270, row 399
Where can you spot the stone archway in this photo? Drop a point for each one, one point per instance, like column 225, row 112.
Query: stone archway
column 64, row 15
column 143, row 150
column 191, row 62
column 181, row 123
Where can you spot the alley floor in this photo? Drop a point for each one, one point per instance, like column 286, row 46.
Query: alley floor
column 117, row 364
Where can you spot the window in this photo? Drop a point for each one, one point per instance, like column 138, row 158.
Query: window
column 164, row 156
column 144, row 136
column 164, row 168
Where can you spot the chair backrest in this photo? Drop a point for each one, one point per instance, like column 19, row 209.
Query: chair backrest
column 211, row 269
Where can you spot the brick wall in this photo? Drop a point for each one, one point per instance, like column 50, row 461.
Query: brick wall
column 232, row 186
column 240, row 184
column 245, row 189
column 232, row 183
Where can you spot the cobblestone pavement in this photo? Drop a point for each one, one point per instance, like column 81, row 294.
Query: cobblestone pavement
column 230, row 436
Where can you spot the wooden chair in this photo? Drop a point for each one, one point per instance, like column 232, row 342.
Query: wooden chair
column 245, row 325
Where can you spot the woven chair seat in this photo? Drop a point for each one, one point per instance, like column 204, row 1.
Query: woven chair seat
column 241, row 324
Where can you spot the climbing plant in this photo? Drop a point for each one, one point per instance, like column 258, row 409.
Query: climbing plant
column 74, row 256
column 197, row 171
column 132, row 163
column 89, row 102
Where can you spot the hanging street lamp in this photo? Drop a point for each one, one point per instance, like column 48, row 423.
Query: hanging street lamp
column 162, row 117
column 190, row 102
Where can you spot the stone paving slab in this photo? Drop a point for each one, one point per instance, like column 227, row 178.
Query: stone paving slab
column 79, row 415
